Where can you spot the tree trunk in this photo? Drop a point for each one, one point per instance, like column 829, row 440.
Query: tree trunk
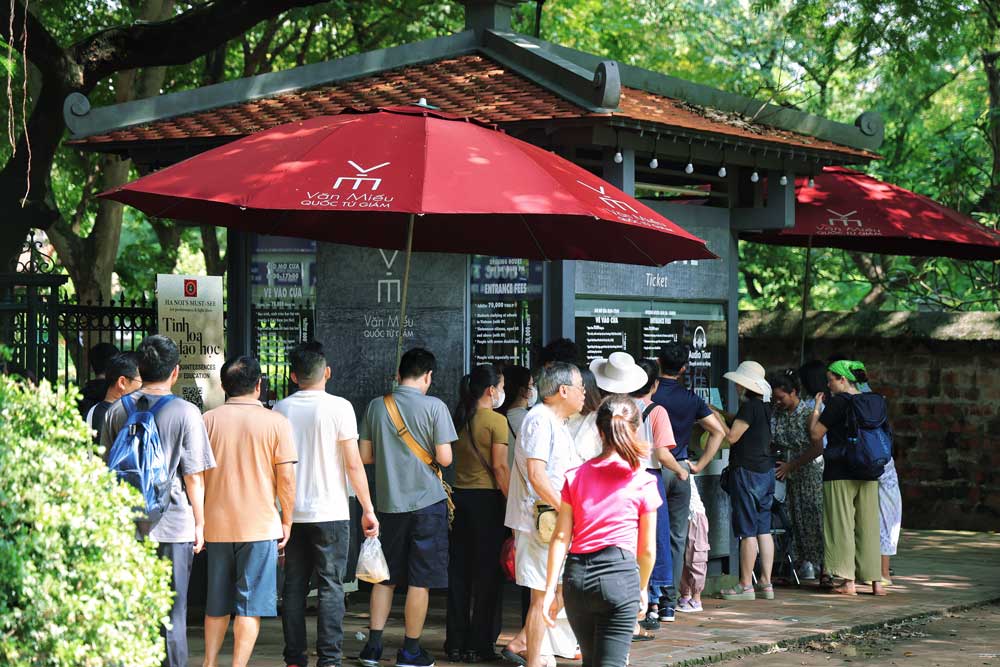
column 990, row 201
column 215, row 260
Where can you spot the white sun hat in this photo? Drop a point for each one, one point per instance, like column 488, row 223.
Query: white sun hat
column 618, row 374
column 750, row 375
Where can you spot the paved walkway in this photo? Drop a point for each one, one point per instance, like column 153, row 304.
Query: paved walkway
column 936, row 571
column 956, row 639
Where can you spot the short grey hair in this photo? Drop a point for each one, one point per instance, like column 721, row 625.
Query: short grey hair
column 554, row 376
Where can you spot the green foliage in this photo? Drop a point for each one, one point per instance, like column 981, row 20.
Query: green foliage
column 917, row 63
column 76, row 587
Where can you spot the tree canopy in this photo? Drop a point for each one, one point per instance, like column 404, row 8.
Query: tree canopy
column 929, row 67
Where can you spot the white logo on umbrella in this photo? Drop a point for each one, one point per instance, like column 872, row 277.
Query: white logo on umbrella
column 361, row 176
column 607, row 199
column 843, row 219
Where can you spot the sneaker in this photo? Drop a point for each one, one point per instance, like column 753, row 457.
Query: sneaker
column 370, row 655
column 667, row 614
column 689, row 606
column 651, row 622
column 807, row 572
column 421, row 659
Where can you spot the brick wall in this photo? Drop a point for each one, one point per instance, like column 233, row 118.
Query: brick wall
column 944, row 402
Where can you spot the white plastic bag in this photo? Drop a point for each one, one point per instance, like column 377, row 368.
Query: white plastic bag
column 371, row 562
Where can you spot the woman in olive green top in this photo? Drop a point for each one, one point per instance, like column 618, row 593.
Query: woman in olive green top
column 482, row 475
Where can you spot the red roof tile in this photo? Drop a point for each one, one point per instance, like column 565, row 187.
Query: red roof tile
column 471, row 85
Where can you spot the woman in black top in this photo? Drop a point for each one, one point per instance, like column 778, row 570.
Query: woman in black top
column 751, row 471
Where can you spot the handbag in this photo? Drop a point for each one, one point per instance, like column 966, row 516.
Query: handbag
column 725, row 479
column 545, row 522
column 418, row 451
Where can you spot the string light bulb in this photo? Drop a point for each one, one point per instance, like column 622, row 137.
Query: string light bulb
column 754, row 177
column 783, row 180
column 689, row 169
column 654, row 163
column 618, row 157
column 722, row 171
column 812, row 182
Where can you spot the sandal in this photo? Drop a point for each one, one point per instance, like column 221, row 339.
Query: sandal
column 738, row 592
column 643, row 636
column 826, row 581
column 766, row 592
column 515, row 658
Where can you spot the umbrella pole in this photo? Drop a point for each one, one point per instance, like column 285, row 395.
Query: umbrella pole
column 805, row 302
column 406, row 286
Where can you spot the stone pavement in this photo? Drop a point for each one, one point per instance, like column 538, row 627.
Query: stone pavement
column 936, row 571
column 957, row 639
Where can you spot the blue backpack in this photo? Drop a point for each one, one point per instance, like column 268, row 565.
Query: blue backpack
column 869, row 449
column 137, row 458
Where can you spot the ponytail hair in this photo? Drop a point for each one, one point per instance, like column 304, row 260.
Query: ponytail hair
column 618, row 422
column 470, row 389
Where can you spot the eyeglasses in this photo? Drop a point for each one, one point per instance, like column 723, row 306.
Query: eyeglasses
column 577, row 386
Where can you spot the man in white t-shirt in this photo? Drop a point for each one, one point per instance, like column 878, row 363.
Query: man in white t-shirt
column 543, row 453
column 326, row 437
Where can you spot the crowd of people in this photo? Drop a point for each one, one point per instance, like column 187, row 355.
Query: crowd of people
column 587, row 471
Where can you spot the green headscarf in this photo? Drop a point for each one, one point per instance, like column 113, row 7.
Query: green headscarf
column 844, row 368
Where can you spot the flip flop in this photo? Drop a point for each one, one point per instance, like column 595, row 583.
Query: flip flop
column 515, row 658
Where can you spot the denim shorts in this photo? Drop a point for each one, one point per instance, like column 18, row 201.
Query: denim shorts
column 751, row 495
column 242, row 578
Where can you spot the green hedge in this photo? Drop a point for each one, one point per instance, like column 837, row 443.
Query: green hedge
column 76, row 587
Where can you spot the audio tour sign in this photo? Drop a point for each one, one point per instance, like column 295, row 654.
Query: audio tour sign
column 189, row 310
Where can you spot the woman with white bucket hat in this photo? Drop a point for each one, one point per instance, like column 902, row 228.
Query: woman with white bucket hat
column 751, row 489
column 620, row 374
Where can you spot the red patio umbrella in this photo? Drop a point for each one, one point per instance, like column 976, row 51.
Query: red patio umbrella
column 413, row 178
column 854, row 211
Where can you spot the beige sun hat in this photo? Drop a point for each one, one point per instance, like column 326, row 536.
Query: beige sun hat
column 750, row 375
column 618, row 374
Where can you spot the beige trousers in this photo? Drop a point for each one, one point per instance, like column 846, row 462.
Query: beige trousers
column 851, row 530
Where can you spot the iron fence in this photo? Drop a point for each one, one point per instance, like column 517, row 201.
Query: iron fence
column 50, row 334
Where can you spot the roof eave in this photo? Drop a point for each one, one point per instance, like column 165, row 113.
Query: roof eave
column 866, row 134
column 84, row 121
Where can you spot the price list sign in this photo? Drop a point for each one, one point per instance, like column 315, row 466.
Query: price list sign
column 506, row 310
column 643, row 327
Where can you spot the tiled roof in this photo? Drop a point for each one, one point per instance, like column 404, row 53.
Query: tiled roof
column 471, row 85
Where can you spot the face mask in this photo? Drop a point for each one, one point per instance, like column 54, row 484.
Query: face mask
column 498, row 401
column 532, row 396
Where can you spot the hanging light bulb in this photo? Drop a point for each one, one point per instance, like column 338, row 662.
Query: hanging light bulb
column 783, row 180
column 754, row 177
column 618, row 157
column 722, row 171
column 812, row 182
column 654, row 163
column 689, row 169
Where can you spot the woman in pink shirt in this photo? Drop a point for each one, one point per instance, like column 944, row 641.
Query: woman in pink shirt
column 607, row 522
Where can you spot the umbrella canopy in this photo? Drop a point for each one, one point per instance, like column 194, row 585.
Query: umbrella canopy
column 850, row 210
column 357, row 178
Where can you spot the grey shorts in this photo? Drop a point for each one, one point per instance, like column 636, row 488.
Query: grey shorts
column 242, row 578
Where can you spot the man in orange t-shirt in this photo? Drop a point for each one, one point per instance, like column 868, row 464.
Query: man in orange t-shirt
column 254, row 451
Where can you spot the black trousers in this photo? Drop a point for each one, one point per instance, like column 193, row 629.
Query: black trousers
column 320, row 548
column 678, row 505
column 181, row 556
column 601, row 592
column 475, row 580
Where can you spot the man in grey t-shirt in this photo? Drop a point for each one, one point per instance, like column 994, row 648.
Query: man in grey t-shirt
column 410, row 501
column 180, row 529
